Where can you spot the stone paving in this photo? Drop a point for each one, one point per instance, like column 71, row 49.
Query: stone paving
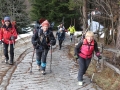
column 6, row 70
column 63, row 75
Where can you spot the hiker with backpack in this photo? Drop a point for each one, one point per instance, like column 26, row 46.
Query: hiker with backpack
column 42, row 39
column 61, row 36
column 61, row 26
column 8, row 34
column 72, row 31
column 84, row 51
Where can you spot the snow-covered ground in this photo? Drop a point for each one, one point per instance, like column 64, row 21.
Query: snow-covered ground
column 95, row 26
column 24, row 35
column 76, row 33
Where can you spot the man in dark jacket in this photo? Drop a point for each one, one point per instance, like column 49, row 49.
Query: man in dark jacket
column 41, row 40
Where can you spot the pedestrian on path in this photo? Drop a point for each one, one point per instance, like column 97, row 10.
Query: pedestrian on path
column 41, row 40
column 84, row 51
column 62, row 26
column 61, row 36
column 72, row 31
column 8, row 34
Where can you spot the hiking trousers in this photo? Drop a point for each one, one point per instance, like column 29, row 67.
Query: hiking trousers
column 83, row 66
column 41, row 58
column 71, row 36
column 60, row 43
column 5, row 51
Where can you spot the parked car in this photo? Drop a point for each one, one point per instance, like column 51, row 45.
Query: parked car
column 27, row 29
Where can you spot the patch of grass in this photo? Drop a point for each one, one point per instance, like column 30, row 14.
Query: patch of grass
column 106, row 79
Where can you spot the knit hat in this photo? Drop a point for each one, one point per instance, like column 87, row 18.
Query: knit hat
column 45, row 23
column 6, row 18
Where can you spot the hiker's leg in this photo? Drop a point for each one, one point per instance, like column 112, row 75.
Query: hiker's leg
column 87, row 62
column 44, row 56
column 81, row 62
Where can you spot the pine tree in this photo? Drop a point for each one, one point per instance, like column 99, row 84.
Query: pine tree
column 16, row 10
column 53, row 10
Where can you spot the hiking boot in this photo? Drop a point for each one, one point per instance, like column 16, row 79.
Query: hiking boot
column 43, row 72
column 6, row 61
column 80, row 83
column 11, row 62
column 38, row 67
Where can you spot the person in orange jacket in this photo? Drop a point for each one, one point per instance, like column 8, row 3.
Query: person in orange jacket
column 8, row 34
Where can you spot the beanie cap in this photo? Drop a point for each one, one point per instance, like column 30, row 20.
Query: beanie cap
column 45, row 23
column 6, row 18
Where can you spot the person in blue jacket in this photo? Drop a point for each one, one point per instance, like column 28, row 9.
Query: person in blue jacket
column 61, row 37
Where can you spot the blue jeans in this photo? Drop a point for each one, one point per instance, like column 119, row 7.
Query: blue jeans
column 83, row 66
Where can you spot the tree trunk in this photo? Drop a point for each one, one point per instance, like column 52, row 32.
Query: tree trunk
column 118, row 36
column 84, row 15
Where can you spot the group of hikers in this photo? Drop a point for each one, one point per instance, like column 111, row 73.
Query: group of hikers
column 43, row 38
column 61, row 33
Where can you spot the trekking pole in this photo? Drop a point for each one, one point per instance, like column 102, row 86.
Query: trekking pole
column 51, row 58
column 97, row 66
column 1, row 50
column 32, row 61
column 74, row 40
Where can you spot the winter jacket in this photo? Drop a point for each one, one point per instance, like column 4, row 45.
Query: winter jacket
column 42, row 40
column 85, row 50
column 63, row 28
column 61, row 35
column 7, row 32
column 71, row 29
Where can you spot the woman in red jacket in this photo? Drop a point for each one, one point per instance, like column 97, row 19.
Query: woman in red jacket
column 84, row 51
column 8, row 35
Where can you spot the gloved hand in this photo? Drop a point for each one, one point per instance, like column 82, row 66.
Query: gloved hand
column 52, row 42
column 76, row 56
column 99, row 57
column 0, row 42
column 34, row 43
column 37, row 46
column 12, row 38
